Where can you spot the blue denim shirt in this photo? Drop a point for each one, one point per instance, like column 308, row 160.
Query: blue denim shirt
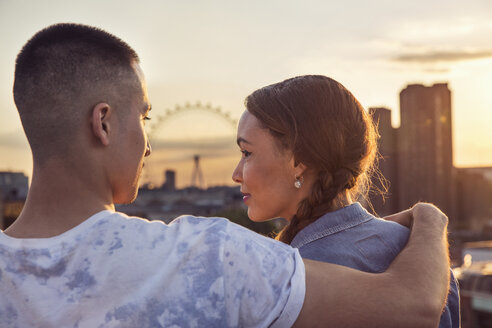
column 353, row 237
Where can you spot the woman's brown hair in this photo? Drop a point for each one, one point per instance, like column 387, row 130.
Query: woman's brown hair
column 327, row 130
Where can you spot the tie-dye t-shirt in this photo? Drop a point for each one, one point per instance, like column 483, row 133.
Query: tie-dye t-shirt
column 118, row 271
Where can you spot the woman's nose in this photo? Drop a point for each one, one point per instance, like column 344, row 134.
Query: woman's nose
column 237, row 174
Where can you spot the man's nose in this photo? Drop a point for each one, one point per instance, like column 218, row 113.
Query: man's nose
column 148, row 150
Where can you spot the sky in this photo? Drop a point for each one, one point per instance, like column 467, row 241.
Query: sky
column 218, row 52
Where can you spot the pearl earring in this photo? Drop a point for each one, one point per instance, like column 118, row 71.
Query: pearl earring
column 298, row 182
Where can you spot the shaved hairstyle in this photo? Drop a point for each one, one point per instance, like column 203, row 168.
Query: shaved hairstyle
column 61, row 73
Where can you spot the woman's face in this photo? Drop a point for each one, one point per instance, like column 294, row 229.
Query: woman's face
column 266, row 173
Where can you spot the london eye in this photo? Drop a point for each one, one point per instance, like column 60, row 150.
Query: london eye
column 197, row 140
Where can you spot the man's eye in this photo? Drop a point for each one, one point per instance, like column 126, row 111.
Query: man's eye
column 146, row 118
column 245, row 153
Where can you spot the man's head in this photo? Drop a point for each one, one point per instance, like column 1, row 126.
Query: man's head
column 81, row 97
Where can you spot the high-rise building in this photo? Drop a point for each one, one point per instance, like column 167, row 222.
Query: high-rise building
column 13, row 192
column 385, row 178
column 425, row 148
column 170, row 180
column 14, row 185
column 474, row 192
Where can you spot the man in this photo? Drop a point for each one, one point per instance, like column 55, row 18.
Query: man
column 70, row 260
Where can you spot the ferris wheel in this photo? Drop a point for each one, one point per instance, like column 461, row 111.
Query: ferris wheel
column 188, row 107
column 185, row 134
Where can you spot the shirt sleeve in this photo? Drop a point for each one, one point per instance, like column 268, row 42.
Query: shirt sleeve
column 450, row 318
column 264, row 280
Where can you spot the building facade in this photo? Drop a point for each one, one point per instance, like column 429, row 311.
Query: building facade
column 13, row 192
column 384, row 196
column 425, row 148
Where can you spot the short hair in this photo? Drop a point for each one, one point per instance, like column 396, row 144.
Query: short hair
column 326, row 129
column 60, row 74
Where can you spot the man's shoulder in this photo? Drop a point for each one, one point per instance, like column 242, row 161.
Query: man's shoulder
column 182, row 219
column 185, row 227
column 189, row 234
column 139, row 224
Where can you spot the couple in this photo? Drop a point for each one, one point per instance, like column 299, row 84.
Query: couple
column 70, row 261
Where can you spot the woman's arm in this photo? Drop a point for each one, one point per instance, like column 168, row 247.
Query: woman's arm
column 411, row 293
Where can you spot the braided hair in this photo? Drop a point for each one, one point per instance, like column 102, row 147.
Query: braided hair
column 327, row 130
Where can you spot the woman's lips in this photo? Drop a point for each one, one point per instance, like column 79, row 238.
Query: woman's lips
column 246, row 196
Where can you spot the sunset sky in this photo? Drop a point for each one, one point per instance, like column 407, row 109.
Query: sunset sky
column 218, row 52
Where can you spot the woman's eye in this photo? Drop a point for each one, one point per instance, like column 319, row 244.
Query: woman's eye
column 245, row 153
column 146, row 118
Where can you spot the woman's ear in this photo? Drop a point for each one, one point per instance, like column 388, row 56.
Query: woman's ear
column 298, row 167
column 100, row 122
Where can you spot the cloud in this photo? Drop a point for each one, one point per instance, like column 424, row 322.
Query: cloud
column 436, row 56
column 441, row 70
column 187, row 157
column 212, row 143
column 178, row 151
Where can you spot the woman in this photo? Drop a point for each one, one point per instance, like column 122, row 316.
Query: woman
column 308, row 150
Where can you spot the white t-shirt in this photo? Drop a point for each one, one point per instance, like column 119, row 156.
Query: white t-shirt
column 119, row 271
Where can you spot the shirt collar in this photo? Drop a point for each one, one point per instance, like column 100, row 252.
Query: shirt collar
column 331, row 223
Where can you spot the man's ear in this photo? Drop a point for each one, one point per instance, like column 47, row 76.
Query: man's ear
column 101, row 127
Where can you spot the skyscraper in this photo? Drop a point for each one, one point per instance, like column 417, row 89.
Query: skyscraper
column 386, row 165
column 425, row 149
column 170, row 180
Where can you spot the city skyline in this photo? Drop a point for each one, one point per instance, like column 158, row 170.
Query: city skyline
column 225, row 149
column 416, row 158
column 219, row 52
